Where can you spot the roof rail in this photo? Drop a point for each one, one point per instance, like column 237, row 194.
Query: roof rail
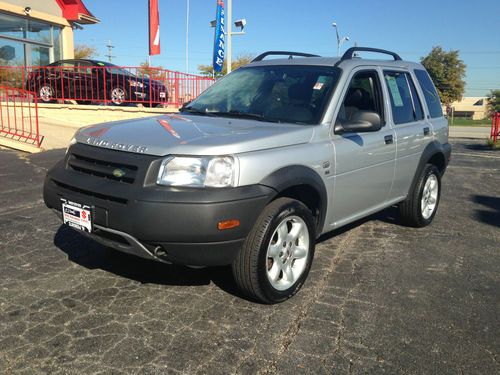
column 349, row 54
column 290, row 55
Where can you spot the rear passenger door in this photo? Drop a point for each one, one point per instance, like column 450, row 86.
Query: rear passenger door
column 364, row 165
column 412, row 131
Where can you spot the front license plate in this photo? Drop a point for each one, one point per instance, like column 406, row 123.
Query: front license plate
column 162, row 95
column 77, row 215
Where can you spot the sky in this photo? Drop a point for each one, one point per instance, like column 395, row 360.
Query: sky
column 409, row 28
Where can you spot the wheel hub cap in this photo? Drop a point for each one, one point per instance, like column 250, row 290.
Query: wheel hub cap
column 287, row 253
column 429, row 196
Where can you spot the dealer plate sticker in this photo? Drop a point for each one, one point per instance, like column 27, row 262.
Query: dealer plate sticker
column 77, row 215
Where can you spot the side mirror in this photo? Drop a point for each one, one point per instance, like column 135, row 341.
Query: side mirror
column 361, row 122
column 185, row 104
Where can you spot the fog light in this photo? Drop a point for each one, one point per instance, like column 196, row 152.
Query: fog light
column 228, row 224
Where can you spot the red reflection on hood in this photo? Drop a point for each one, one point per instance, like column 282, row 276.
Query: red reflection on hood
column 169, row 128
column 97, row 133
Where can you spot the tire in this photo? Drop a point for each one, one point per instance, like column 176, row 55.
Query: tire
column 419, row 209
column 46, row 93
column 118, row 95
column 268, row 268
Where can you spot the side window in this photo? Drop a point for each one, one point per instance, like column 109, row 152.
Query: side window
column 406, row 106
column 84, row 67
column 430, row 93
column 417, row 104
column 364, row 94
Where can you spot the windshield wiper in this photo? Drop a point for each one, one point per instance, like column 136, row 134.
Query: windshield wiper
column 195, row 111
column 238, row 114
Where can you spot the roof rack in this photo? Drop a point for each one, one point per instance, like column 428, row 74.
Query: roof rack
column 349, row 54
column 290, row 55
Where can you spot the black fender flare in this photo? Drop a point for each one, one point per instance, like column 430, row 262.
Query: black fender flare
column 297, row 175
column 429, row 152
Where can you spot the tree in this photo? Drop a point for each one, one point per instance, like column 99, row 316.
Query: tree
column 447, row 72
column 494, row 102
column 84, row 51
column 157, row 72
column 207, row 70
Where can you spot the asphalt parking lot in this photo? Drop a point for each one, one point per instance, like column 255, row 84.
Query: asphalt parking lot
column 381, row 298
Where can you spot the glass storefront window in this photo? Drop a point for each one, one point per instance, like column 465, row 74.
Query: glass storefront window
column 39, row 32
column 56, row 34
column 13, row 26
column 40, row 56
column 39, row 42
column 11, row 52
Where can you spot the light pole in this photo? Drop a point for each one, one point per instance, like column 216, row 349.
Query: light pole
column 239, row 23
column 229, row 33
column 340, row 40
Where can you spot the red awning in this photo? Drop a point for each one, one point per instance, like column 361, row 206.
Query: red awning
column 76, row 11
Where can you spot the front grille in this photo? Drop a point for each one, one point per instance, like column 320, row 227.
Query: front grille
column 77, row 190
column 104, row 169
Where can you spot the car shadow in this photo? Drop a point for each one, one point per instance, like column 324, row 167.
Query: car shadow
column 478, row 147
column 92, row 255
column 490, row 216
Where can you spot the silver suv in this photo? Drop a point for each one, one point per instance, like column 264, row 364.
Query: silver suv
column 260, row 165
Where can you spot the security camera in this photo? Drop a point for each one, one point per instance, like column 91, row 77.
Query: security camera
column 27, row 11
column 240, row 23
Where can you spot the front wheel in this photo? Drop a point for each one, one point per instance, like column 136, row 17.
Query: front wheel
column 276, row 257
column 419, row 209
column 118, row 95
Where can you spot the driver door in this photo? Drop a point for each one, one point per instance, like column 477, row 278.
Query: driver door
column 365, row 161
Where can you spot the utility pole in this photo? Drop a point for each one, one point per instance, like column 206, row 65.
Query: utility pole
column 110, row 49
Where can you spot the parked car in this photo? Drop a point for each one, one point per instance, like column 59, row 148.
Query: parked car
column 255, row 169
column 88, row 81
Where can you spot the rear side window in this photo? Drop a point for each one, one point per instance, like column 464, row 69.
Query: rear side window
column 430, row 93
column 406, row 106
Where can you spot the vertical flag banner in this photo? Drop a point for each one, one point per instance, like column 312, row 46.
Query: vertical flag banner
column 220, row 37
column 154, row 28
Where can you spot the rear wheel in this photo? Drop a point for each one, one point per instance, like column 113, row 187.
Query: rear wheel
column 419, row 209
column 46, row 93
column 277, row 254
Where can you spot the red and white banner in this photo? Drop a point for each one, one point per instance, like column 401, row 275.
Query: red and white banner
column 154, row 28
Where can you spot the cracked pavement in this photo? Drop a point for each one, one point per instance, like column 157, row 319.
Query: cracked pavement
column 380, row 298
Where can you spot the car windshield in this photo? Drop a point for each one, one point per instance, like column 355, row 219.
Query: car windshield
column 275, row 93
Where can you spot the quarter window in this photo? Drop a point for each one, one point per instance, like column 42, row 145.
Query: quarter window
column 430, row 93
column 405, row 103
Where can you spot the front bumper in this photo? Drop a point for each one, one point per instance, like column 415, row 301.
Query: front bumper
column 175, row 225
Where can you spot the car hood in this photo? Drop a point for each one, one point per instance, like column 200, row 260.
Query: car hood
column 193, row 135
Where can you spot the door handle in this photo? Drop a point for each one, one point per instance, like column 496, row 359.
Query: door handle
column 388, row 139
column 426, row 131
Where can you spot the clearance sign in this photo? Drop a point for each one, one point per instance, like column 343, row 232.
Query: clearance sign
column 220, row 37
column 154, row 28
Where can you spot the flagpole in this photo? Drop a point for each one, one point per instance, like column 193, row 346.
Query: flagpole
column 187, row 37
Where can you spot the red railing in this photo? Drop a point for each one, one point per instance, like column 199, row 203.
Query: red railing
column 19, row 115
column 105, row 84
column 495, row 127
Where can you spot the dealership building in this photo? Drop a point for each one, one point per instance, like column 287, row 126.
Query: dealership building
column 38, row 32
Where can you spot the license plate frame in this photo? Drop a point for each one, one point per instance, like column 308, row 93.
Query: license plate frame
column 77, row 215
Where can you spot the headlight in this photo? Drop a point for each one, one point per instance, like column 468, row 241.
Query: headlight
column 135, row 83
column 216, row 171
